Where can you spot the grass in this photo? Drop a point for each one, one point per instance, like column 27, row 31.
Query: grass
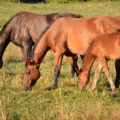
column 66, row 102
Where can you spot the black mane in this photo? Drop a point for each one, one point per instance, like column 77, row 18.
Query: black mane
column 6, row 24
column 40, row 38
column 87, row 52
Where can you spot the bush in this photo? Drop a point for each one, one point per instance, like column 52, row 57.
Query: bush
column 64, row 1
column 67, row 1
column 57, row 1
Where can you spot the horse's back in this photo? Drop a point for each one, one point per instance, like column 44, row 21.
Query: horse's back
column 107, row 45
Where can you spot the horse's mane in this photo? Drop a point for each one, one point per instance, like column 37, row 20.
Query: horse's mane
column 87, row 51
column 6, row 24
column 40, row 38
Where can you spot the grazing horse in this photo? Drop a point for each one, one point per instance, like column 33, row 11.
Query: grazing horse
column 73, row 37
column 24, row 29
column 103, row 48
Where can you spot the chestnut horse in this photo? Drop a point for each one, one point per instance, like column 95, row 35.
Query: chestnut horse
column 73, row 37
column 103, row 48
column 24, row 29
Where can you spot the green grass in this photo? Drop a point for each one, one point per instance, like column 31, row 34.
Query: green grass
column 66, row 102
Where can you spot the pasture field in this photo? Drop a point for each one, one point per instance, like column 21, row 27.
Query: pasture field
column 66, row 102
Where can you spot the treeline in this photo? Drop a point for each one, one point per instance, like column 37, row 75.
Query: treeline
column 56, row 1
column 67, row 1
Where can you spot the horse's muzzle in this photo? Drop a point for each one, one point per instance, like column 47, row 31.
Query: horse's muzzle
column 27, row 88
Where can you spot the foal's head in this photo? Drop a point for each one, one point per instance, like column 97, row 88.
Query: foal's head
column 31, row 75
column 83, row 80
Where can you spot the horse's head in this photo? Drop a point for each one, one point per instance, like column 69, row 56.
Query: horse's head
column 83, row 80
column 31, row 74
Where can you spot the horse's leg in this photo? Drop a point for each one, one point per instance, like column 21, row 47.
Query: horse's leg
column 27, row 51
column 3, row 45
column 72, row 69
column 105, row 67
column 73, row 61
column 117, row 68
column 97, row 72
column 58, row 61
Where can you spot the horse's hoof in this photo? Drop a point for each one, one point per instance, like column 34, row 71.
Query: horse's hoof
column 113, row 95
column 71, row 75
column 92, row 88
column 116, row 85
column 52, row 88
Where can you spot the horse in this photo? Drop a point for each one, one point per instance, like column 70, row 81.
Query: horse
column 103, row 48
column 73, row 37
column 24, row 28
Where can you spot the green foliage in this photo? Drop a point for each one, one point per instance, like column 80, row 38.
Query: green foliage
column 63, row 1
column 68, row 1
column 57, row 1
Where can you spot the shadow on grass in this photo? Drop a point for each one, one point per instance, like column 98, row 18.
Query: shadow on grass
column 14, row 117
column 10, row 74
column 9, row 61
column 8, row 69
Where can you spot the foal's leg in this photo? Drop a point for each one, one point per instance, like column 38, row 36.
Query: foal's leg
column 72, row 73
column 117, row 68
column 58, row 61
column 105, row 67
column 97, row 72
column 27, row 52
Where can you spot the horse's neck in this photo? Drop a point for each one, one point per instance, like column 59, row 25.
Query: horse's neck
column 88, row 61
column 40, row 50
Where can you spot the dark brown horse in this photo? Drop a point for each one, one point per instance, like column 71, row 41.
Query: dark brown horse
column 103, row 48
column 24, row 29
column 73, row 37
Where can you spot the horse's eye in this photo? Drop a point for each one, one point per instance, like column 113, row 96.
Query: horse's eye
column 28, row 73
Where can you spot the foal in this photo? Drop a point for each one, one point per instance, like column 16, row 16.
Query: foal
column 102, row 48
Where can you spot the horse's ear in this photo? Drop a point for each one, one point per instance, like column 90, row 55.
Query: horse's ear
column 26, row 61
column 32, row 62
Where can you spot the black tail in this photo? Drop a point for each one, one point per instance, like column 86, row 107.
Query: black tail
column 5, row 37
column 118, row 30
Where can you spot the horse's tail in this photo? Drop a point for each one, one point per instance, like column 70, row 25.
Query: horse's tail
column 7, row 28
column 118, row 30
column 5, row 36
